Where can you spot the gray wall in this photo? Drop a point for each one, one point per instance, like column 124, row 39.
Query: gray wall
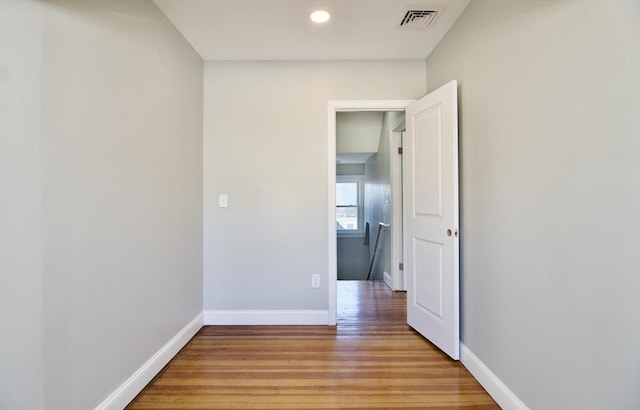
column 358, row 131
column 21, row 314
column 265, row 145
column 350, row 169
column 352, row 259
column 550, row 168
column 105, row 191
column 377, row 186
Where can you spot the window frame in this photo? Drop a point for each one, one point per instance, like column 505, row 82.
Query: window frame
column 355, row 233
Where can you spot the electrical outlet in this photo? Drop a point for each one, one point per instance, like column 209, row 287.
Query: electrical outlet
column 315, row 280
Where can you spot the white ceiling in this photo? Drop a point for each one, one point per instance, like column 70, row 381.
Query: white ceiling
column 281, row 29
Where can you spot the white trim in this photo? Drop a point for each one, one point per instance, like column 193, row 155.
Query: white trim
column 332, row 108
column 332, row 257
column 138, row 380
column 395, row 167
column 370, row 105
column 388, row 279
column 266, row 317
column 491, row 383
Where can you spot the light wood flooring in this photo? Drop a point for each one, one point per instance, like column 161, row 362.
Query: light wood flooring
column 370, row 360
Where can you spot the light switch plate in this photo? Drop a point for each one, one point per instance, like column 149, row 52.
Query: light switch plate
column 223, row 201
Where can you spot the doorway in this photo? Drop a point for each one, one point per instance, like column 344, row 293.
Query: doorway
column 430, row 214
column 335, row 107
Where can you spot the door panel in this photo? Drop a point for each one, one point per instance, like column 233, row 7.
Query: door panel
column 429, row 286
column 428, row 167
column 430, row 187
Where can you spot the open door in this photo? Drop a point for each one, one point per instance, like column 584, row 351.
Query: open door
column 430, row 208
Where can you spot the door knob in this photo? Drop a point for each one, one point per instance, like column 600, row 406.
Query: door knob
column 449, row 232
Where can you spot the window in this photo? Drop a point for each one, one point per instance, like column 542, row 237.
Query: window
column 349, row 205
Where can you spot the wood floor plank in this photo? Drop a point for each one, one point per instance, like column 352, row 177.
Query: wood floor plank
column 370, row 360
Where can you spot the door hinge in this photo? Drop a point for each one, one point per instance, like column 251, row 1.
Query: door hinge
column 401, row 266
column 399, row 150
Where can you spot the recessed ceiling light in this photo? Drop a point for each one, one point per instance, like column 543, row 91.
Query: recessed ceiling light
column 320, row 16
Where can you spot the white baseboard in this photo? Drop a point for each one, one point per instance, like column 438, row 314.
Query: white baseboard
column 388, row 280
column 266, row 317
column 134, row 384
column 499, row 391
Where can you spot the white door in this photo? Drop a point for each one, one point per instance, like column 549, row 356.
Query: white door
column 431, row 239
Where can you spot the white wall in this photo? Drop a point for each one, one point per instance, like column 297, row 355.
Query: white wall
column 117, row 233
column 265, row 144
column 550, row 167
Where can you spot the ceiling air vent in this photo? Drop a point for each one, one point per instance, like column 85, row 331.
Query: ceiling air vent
column 418, row 19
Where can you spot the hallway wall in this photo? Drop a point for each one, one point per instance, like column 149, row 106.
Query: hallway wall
column 21, row 261
column 378, row 200
column 549, row 98
column 101, row 196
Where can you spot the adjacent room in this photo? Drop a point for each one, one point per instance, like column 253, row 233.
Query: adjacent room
column 172, row 168
column 364, row 197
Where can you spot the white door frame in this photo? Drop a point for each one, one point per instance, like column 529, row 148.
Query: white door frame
column 398, row 280
column 334, row 107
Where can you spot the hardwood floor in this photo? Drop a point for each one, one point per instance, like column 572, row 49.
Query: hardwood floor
column 371, row 359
